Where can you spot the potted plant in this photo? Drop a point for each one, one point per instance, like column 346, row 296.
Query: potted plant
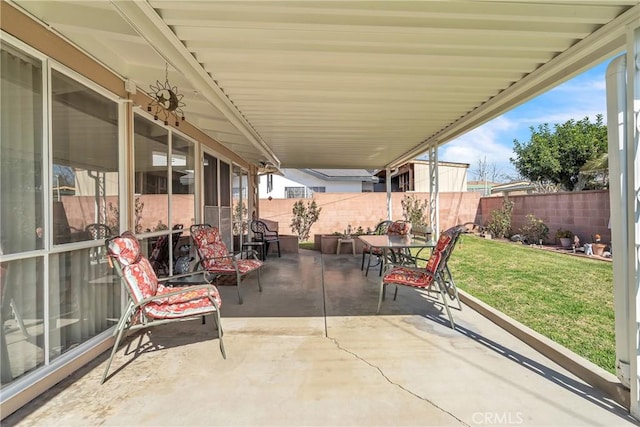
column 565, row 237
column 597, row 246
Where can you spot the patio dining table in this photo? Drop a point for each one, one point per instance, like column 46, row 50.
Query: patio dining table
column 395, row 248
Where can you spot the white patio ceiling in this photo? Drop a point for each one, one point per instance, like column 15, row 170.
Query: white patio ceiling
column 341, row 84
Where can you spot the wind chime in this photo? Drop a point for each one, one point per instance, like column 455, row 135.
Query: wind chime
column 166, row 102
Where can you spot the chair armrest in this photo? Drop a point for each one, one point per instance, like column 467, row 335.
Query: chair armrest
column 179, row 291
column 179, row 276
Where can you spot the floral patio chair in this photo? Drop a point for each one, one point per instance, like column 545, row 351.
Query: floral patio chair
column 151, row 302
column 216, row 260
column 403, row 256
column 369, row 251
column 433, row 274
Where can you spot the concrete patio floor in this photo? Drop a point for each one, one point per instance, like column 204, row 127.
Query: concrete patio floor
column 309, row 350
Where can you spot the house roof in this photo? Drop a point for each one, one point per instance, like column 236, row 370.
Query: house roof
column 512, row 186
column 342, row 84
column 342, row 174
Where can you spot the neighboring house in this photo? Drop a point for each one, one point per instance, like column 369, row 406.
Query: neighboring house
column 414, row 176
column 301, row 183
column 482, row 187
column 514, row 188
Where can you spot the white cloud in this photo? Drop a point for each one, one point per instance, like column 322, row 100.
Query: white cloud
column 492, row 141
column 583, row 96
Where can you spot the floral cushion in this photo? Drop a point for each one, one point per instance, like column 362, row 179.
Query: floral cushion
column 226, row 265
column 399, row 228
column 443, row 242
column 215, row 256
column 125, row 248
column 408, row 277
column 141, row 279
column 433, row 261
column 137, row 272
column 196, row 307
column 189, row 303
column 210, row 245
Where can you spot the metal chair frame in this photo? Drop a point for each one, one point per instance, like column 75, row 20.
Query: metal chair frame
column 262, row 233
column 380, row 229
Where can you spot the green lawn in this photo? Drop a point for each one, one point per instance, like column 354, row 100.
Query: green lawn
column 566, row 298
column 306, row 245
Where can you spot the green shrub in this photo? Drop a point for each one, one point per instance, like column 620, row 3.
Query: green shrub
column 304, row 217
column 534, row 230
column 500, row 223
column 415, row 210
column 564, row 234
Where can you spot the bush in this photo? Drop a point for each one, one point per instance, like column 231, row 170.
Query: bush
column 534, row 230
column 500, row 223
column 304, row 217
column 564, row 233
column 414, row 210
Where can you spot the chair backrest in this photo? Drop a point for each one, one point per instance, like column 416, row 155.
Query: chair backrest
column 382, row 227
column 133, row 267
column 159, row 257
column 209, row 245
column 98, row 231
column 261, row 231
column 399, row 228
column 443, row 249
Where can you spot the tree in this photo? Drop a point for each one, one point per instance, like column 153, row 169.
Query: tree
column 555, row 158
column 486, row 172
column 596, row 172
column 304, row 217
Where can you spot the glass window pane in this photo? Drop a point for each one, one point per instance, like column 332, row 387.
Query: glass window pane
column 210, row 177
column 84, row 298
column 225, row 204
column 239, row 206
column 151, row 176
column 84, row 175
column 225, row 184
column 183, row 186
column 22, row 313
column 21, row 212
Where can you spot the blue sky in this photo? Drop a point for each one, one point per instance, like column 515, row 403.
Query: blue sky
column 583, row 96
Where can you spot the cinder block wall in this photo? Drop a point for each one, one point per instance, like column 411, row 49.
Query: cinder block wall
column 367, row 209
column 585, row 213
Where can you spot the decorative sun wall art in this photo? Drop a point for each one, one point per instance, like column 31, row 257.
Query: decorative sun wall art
column 167, row 102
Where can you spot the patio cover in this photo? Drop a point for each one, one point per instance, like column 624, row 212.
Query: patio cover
column 343, row 84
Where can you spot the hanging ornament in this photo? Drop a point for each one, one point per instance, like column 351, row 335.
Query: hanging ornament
column 167, row 102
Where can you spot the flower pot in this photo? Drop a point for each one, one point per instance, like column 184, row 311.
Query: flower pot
column 565, row 242
column 598, row 248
